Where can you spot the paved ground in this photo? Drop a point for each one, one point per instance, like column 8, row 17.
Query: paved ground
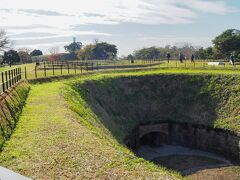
column 6, row 174
column 151, row 153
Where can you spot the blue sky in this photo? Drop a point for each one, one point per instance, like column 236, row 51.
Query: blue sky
column 130, row 24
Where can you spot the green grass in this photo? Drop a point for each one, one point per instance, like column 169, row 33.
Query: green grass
column 51, row 142
column 61, row 136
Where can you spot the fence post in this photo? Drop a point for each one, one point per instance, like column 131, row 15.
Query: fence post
column 6, row 80
column 18, row 74
column 45, row 74
column 81, row 67
column 86, row 66
column 3, row 83
column 25, row 72
column 20, row 69
column 35, row 71
column 14, row 76
column 75, row 68
column 53, row 69
column 92, row 66
column 9, row 77
column 68, row 67
column 61, row 69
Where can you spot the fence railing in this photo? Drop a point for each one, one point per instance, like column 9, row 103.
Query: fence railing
column 9, row 78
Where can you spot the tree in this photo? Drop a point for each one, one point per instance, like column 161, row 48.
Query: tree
column 147, row 53
column 73, row 47
column 130, row 57
column 36, row 52
column 24, row 57
column 54, row 53
column 228, row 42
column 11, row 57
column 104, row 50
column 4, row 41
column 86, row 52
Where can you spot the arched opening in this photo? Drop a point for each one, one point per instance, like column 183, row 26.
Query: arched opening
column 153, row 139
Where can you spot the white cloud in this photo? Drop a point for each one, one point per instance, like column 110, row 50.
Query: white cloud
column 173, row 40
column 59, row 16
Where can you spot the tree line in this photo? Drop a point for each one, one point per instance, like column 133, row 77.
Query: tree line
column 224, row 45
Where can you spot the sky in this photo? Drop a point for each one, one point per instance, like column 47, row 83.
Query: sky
column 130, row 24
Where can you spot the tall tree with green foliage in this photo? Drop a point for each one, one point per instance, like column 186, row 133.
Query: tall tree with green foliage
column 104, row 50
column 228, row 42
column 74, row 47
column 36, row 52
column 11, row 57
column 147, row 53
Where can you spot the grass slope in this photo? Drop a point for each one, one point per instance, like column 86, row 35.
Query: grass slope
column 51, row 142
column 122, row 102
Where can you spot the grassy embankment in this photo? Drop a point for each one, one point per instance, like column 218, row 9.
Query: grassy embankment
column 51, row 141
column 10, row 109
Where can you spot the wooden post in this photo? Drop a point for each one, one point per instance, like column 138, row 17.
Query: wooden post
column 53, row 69
column 3, row 84
column 10, row 79
column 86, row 66
column 81, row 67
column 20, row 69
column 45, row 73
column 25, row 72
column 92, row 66
column 35, row 71
column 6, row 80
column 61, row 69
column 68, row 67
column 75, row 68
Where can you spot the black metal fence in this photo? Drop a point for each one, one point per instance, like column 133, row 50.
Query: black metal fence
column 9, row 78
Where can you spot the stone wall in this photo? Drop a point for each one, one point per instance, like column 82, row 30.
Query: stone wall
column 217, row 141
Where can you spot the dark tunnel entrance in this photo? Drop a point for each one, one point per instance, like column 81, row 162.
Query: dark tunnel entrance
column 153, row 139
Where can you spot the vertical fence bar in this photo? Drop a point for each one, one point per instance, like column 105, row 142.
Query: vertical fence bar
column 45, row 74
column 3, row 84
column 81, row 67
column 61, row 69
column 92, row 66
column 35, row 71
column 86, row 66
column 20, row 69
column 12, row 77
column 17, row 74
column 68, row 67
column 25, row 72
column 53, row 69
column 9, row 78
column 6, row 78
column 75, row 68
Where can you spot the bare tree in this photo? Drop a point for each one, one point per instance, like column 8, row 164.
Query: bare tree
column 4, row 41
column 54, row 50
column 25, row 49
